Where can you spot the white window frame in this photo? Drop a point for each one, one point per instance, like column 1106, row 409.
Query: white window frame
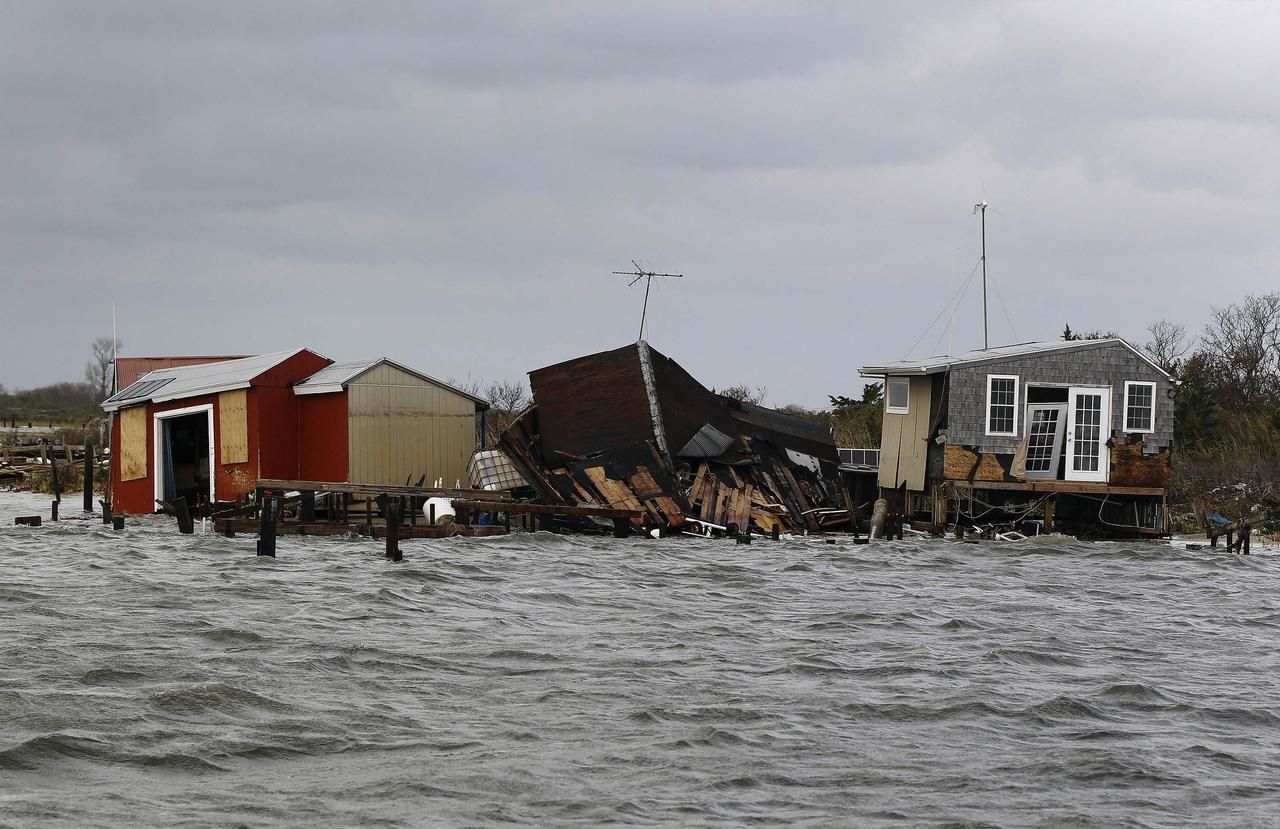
column 1125, row 417
column 986, row 415
column 898, row 410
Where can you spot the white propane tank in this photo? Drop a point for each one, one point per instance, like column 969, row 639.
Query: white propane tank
column 444, row 510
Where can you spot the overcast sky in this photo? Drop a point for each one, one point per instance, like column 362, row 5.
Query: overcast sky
column 451, row 184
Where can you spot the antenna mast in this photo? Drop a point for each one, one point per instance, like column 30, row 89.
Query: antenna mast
column 981, row 207
column 640, row 273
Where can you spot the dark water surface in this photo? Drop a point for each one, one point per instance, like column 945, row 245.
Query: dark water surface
column 153, row 679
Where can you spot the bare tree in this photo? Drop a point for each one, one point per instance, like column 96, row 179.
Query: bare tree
column 1241, row 351
column 97, row 371
column 745, row 394
column 1168, row 345
column 507, row 399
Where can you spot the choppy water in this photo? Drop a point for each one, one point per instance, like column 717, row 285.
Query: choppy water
column 153, row 679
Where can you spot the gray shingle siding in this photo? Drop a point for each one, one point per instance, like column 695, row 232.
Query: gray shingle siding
column 1110, row 364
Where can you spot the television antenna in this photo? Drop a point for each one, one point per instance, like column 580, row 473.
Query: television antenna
column 640, row 273
column 981, row 207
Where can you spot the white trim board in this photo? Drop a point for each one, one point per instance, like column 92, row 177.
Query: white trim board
column 157, row 451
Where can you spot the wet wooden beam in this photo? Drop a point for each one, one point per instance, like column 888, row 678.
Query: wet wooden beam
column 1058, row 486
column 378, row 489
column 521, row 508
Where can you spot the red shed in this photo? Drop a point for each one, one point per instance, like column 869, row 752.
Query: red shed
column 207, row 432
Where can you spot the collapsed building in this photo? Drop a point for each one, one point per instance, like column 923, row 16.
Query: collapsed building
column 631, row 429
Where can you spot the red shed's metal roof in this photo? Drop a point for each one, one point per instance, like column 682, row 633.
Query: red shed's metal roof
column 129, row 369
column 188, row 381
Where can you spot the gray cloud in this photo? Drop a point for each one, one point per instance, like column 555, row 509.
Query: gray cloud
column 451, row 184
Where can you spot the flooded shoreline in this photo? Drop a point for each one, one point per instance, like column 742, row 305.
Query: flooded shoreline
column 180, row 680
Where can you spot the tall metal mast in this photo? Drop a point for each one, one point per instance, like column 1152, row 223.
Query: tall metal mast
column 982, row 207
column 640, row 273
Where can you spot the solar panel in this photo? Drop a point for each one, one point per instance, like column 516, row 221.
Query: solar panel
column 140, row 389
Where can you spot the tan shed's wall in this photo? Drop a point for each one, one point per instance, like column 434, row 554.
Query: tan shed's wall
column 904, row 440
column 233, row 422
column 401, row 427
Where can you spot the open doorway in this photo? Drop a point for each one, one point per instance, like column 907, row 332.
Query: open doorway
column 184, row 455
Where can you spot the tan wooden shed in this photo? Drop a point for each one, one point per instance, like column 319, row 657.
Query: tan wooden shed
column 380, row 422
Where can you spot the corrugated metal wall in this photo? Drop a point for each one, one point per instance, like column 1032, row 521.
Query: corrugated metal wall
column 401, row 426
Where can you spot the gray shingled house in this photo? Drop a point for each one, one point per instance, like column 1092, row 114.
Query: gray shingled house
column 1074, row 431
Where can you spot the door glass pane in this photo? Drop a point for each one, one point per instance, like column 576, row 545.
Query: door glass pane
column 1040, row 439
column 1087, row 449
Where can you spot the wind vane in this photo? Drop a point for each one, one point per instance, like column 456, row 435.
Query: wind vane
column 640, row 273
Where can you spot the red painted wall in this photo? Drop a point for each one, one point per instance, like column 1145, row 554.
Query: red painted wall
column 273, row 420
column 323, row 437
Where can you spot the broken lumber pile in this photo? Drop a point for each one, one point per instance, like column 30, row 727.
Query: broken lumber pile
column 630, row 429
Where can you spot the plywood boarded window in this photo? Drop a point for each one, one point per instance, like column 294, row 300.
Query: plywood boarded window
column 233, row 424
column 133, row 443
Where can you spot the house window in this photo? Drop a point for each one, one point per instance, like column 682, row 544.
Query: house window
column 1139, row 407
column 896, row 395
column 1002, row 404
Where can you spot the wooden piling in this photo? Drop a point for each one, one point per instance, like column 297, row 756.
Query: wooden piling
column 1050, row 510
column 88, row 477
column 267, row 529
column 392, row 513
column 621, row 528
column 186, row 525
column 106, row 510
column 307, row 508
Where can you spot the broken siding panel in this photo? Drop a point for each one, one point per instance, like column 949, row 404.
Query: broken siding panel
column 904, row 446
column 133, row 443
column 233, row 427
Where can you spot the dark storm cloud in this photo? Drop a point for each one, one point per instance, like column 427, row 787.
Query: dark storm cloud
column 450, row 184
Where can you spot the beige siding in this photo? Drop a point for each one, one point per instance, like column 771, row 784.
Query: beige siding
column 904, row 441
column 233, row 427
column 401, row 426
column 133, row 443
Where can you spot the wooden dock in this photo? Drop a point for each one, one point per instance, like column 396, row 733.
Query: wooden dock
column 392, row 513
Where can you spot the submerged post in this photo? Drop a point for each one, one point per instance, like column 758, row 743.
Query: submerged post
column 88, row 477
column 392, row 513
column 186, row 525
column 106, row 510
column 267, row 528
column 621, row 528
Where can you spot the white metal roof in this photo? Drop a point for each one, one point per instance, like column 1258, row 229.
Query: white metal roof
column 189, row 381
column 933, row 365
column 336, row 377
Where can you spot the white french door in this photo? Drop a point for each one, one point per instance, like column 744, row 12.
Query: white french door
column 1045, row 432
column 1088, row 428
